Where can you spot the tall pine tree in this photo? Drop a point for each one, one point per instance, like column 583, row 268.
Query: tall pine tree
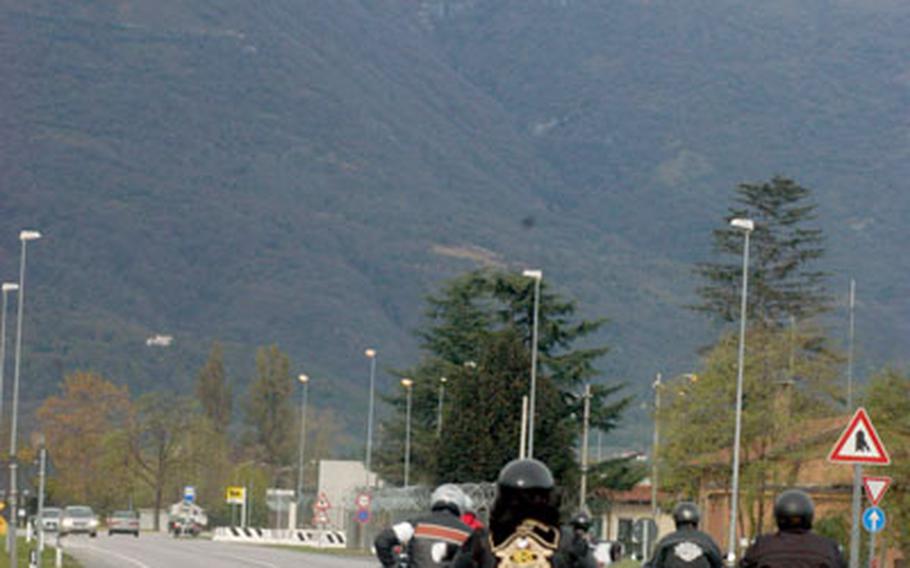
column 269, row 412
column 213, row 390
column 783, row 282
column 478, row 336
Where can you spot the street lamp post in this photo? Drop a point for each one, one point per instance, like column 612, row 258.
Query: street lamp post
column 537, row 275
column 583, row 492
column 442, row 394
column 7, row 288
column 305, row 382
column 656, row 445
column 747, row 226
column 371, row 355
column 42, row 476
column 24, row 238
column 407, row 384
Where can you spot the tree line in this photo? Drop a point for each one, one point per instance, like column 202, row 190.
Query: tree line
column 112, row 451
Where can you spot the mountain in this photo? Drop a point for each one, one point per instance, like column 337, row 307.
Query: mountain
column 304, row 173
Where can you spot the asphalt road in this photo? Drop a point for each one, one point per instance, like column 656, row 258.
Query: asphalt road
column 158, row 551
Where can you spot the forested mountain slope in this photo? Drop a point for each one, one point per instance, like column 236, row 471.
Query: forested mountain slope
column 302, row 173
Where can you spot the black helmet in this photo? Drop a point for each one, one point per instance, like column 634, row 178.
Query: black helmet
column 794, row 510
column 525, row 474
column 686, row 513
column 581, row 520
column 524, row 490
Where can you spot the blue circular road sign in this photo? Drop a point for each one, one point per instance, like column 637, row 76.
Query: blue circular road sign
column 363, row 516
column 874, row 519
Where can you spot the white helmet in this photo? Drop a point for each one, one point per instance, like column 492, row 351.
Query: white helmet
column 449, row 496
column 469, row 505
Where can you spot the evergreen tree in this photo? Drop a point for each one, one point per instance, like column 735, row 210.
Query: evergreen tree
column 479, row 337
column 213, row 391
column 782, row 282
column 269, row 411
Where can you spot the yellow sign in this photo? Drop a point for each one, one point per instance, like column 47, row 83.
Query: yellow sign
column 235, row 495
column 2, row 519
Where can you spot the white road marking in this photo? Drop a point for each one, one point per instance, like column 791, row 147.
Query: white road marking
column 252, row 560
column 112, row 553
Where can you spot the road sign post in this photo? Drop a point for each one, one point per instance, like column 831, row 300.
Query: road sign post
column 874, row 519
column 644, row 532
column 363, row 501
column 235, row 495
column 859, row 444
column 322, row 502
column 876, row 486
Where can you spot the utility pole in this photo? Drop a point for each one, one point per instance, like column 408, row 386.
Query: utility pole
column 583, row 493
column 442, row 396
column 523, row 438
column 537, row 276
column 850, row 336
column 654, row 451
column 857, row 468
column 42, row 475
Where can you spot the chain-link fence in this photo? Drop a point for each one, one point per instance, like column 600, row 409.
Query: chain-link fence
column 390, row 505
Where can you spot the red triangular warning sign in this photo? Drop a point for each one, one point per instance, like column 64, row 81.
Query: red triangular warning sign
column 860, row 443
column 876, row 487
column 322, row 503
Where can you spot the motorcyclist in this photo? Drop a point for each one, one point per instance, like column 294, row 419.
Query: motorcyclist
column 524, row 526
column 580, row 525
column 577, row 541
column 794, row 544
column 469, row 515
column 686, row 547
column 436, row 539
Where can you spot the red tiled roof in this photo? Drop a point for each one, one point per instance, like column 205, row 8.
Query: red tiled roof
column 641, row 493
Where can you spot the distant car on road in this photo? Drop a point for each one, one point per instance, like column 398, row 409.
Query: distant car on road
column 186, row 519
column 124, row 522
column 79, row 519
column 50, row 519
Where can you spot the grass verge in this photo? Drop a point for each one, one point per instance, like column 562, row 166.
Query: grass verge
column 24, row 549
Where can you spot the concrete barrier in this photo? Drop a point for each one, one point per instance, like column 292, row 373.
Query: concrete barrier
column 316, row 538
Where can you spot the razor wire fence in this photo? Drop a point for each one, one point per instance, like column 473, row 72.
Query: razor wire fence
column 390, row 505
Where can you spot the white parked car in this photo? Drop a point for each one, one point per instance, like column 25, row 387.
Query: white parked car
column 50, row 519
column 79, row 519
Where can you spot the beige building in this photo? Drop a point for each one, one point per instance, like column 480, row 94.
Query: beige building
column 627, row 507
column 340, row 481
